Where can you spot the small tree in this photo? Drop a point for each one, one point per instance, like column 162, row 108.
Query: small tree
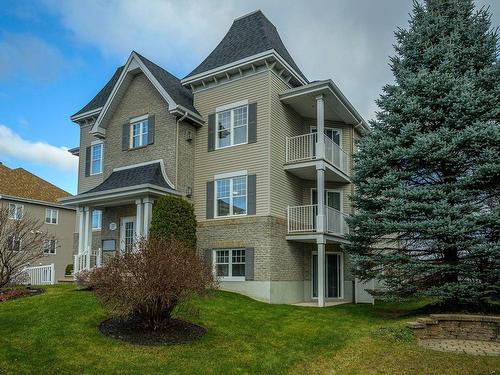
column 174, row 218
column 150, row 282
column 22, row 241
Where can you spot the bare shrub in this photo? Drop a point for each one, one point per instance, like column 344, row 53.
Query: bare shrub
column 150, row 282
column 22, row 241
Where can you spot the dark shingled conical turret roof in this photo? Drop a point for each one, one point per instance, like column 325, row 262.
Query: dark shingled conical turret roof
column 249, row 35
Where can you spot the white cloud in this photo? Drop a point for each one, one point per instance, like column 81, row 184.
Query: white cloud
column 348, row 41
column 27, row 56
column 12, row 145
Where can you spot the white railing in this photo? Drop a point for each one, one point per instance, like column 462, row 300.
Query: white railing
column 41, row 275
column 87, row 260
column 303, row 219
column 300, row 148
column 335, row 155
column 336, row 222
column 303, row 147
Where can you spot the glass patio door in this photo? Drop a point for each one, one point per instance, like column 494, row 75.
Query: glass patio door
column 333, row 276
column 332, row 198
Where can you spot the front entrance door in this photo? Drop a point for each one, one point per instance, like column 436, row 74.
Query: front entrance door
column 127, row 233
column 333, row 275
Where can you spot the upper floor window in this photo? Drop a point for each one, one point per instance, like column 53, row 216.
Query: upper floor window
column 139, row 133
column 231, row 196
column 16, row 211
column 50, row 247
column 96, row 219
column 51, row 215
column 232, row 127
column 14, row 243
column 96, row 158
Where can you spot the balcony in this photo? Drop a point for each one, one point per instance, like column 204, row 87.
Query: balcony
column 301, row 220
column 301, row 157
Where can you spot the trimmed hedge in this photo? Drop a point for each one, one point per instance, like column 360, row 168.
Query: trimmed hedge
column 174, row 218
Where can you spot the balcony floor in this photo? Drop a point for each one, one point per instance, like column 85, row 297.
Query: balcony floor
column 306, row 170
column 313, row 237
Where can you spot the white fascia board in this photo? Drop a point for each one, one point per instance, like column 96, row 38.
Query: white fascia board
column 193, row 116
column 133, row 61
column 34, row 201
column 85, row 114
column 242, row 62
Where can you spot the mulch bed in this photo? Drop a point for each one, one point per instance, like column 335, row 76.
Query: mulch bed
column 131, row 330
column 9, row 294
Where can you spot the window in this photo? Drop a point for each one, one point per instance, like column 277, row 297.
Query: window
column 96, row 158
column 50, row 247
column 231, row 196
column 16, row 211
column 232, row 127
column 14, row 243
column 51, row 215
column 230, row 264
column 96, row 219
column 139, row 133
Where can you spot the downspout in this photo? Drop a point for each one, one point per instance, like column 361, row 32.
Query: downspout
column 182, row 118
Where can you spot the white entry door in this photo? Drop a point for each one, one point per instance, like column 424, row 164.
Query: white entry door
column 127, row 233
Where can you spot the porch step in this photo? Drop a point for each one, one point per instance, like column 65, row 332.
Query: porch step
column 415, row 325
column 66, row 279
column 427, row 321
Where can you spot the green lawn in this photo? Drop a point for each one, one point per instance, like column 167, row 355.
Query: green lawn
column 56, row 333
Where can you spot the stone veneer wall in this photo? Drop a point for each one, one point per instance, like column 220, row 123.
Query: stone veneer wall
column 457, row 326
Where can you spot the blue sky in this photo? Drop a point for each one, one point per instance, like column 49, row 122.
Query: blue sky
column 56, row 55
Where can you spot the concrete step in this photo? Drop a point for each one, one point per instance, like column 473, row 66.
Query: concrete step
column 415, row 325
column 428, row 321
column 66, row 279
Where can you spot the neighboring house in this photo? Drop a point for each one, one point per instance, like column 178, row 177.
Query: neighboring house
column 28, row 195
column 238, row 138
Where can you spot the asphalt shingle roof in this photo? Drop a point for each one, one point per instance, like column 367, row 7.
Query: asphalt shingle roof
column 20, row 183
column 144, row 174
column 169, row 82
column 248, row 36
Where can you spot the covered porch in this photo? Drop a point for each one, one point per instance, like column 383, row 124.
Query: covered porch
column 125, row 200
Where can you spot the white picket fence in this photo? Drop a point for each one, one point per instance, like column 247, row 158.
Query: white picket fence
column 41, row 275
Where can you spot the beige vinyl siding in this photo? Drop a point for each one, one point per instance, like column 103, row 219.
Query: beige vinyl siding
column 86, row 183
column 251, row 157
column 286, row 189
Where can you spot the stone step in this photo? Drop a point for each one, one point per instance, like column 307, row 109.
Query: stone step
column 66, row 279
column 428, row 321
column 415, row 325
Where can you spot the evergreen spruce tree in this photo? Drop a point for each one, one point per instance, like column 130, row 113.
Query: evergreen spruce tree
column 427, row 217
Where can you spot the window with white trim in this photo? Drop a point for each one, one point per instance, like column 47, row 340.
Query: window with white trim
column 16, row 211
column 232, row 127
column 96, row 219
column 139, row 133
column 51, row 215
column 96, row 158
column 230, row 264
column 231, row 196
column 50, row 247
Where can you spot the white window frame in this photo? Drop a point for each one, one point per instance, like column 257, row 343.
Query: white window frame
column 17, row 208
column 99, row 213
column 230, row 107
column 92, row 161
column 49, row 214
column 340, row 191
column 230, row 177
column 141, row 120
column 230, row 277
column 47, row 246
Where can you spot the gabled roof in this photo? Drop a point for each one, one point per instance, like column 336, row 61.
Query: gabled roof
column 23, row 184
column 151, row 174
column 170, row 83
column 249, row 35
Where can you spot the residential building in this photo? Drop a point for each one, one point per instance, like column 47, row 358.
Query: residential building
column 237, row 137
column 28, row 195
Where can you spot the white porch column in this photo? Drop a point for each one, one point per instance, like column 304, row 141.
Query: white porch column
column 320, row 188
column 81, row 229
column 321, row 273
column 138, row 219
column 87, row 227
column 320, row 127
column 148, row 212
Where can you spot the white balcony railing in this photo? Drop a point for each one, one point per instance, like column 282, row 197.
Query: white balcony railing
column 303, row 147
column 302, row 219
column 87, row 260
